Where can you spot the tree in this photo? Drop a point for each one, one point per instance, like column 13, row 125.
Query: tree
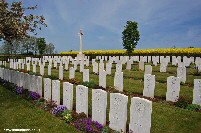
column 41, row 45
column 6, row 48
column 29, row 44
column 12, row 47
column 14, row 24
column 130, row 36
column 49, row 48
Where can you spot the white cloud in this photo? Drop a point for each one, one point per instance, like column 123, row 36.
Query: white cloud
column 161, row 22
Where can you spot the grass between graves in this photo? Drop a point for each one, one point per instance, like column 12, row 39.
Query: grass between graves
column 165, row 117
column 17, row 113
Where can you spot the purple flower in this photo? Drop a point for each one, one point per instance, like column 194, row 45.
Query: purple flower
column 89, row 128
column 19, row 90
column 87, row 125
column 34, row 95
column 58, row 109
column 99, row 126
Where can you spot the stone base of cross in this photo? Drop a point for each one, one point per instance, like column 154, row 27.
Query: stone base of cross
column 80, row 56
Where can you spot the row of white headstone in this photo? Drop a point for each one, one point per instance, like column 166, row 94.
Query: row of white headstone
column 141, row 109
column 149, row 80
column 173, row 83
column 173, row 88
column 123, row 59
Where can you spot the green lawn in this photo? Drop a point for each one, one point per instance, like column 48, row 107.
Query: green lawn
column 17, row 113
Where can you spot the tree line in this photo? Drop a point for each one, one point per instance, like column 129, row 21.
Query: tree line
column 29, row 46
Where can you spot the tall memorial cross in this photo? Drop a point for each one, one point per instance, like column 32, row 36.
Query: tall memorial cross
column 81, row 34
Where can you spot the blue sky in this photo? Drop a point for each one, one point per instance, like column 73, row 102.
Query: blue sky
column 162, row 23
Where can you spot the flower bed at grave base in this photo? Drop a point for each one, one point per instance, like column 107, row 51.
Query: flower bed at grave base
column 159, row 51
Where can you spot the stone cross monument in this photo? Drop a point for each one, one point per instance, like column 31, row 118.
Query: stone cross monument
column 80, row 56
column 81, row 34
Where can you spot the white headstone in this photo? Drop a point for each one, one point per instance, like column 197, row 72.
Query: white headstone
column 174, row 60
column 71, row 73
column 118, row 81
column 39, row 85
column 149, row 58
column 140, row 115
column 22, row 79
column 119, row 67
column 47, row 89
column 181, row 73
column 34, row 68
column 82, row 99
column 102, row 78
column 75, row 65
column 22, row 65
column 66, row 65
column 118, row 112
column 28, row 82
column 85, row 75
column 81, row 66
column 61, row 71
column 108, row 68
column 28, row 67
column 128, row 66
column 155, row 60
column 87, row 62
column 99, row 105
column 56, row 91
column 148, row 69
column 55, row 64
column 49, row 70
column 149, row 85
column 41, row 69
column 106, row 58
column 95, row 67
column 173, row 89
column 197, row 92
column 33, row 83
column 163, row 67
column 68, row 95
column 141, row 65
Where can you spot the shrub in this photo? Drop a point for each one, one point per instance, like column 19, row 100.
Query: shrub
column 77, row 116
column 194, row 107
column 2, row 66
column 39, row 102
column 134, row 69
column 52, row 77
column 74, row 81
column 65, row 112
column 31, row 73
column 181, row 103
column 48, row 105
column 90, row 84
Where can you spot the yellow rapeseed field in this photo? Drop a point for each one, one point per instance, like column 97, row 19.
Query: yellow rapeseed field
column 159, row 51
